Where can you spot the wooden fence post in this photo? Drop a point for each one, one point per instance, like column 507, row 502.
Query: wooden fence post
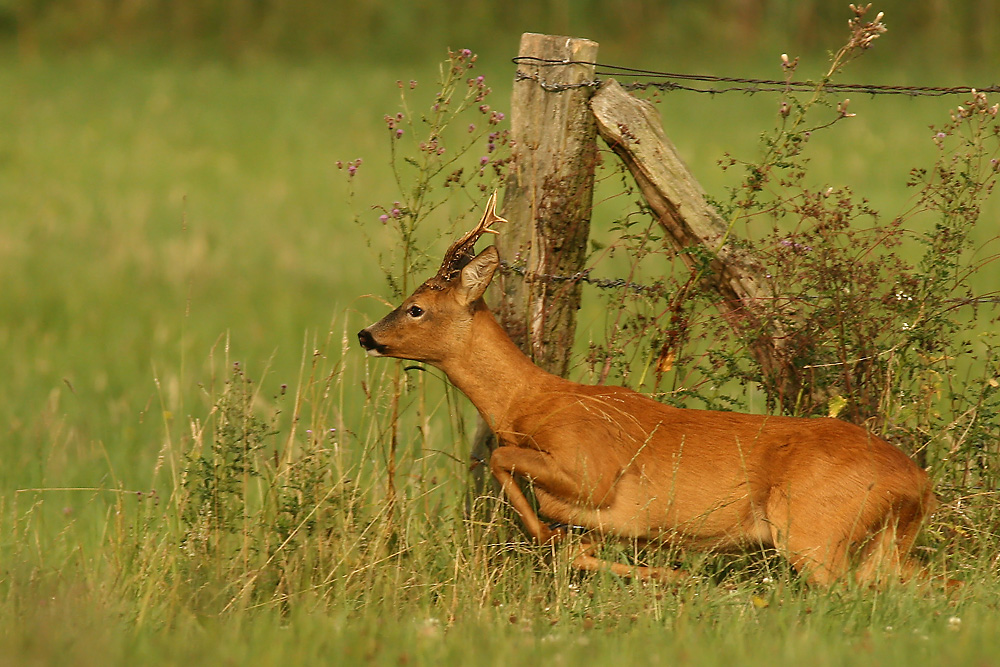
column 548, row 196
column 548, row 199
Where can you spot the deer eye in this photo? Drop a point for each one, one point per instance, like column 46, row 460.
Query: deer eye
column 414, row 311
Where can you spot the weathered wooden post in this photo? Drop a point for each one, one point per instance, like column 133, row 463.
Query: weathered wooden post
column 633, row 130
column 549, row 195
column 548, row 199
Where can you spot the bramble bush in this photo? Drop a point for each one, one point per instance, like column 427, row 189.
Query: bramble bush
column 878, row 315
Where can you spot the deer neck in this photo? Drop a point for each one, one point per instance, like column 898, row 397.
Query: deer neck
column 493, row 372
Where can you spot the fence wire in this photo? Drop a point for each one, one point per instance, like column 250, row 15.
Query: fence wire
column 671, row 81
column 659, row 289
column 667, row 82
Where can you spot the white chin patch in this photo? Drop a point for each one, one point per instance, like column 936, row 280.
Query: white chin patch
column 374, row 353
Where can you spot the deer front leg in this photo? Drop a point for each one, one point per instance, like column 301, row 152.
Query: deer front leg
column 538, row 468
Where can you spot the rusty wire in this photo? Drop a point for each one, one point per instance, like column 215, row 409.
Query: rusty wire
column 658, row 289
column 746, row 85
column 668, row 81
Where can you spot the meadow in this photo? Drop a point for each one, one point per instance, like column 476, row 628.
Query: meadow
column 183, row 267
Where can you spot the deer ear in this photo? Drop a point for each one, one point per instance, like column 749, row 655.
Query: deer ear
column 477, row 274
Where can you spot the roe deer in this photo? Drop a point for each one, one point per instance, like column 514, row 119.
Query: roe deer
column 823, row 492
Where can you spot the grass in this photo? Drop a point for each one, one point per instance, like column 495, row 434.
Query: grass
column 163, row 220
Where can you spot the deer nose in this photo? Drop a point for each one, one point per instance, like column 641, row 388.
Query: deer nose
column 367, row 340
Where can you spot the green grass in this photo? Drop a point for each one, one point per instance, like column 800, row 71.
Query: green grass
column 160, row 220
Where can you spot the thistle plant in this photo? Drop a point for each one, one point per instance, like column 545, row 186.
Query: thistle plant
column 453, row 150
column 443, row 159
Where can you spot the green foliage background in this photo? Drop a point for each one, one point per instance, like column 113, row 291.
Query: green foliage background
column 170, row 203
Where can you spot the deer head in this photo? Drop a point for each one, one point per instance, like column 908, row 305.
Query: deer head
column 435, row 320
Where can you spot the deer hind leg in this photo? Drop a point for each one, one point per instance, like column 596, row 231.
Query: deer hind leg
column 813, row 542
column 817, row 534
column 886, row 556
column 586, row 560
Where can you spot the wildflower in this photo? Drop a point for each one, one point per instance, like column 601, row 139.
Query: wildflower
column 383, row 218
column 399, row 134
column 413, row 84
column 472, row 127
column 483, row 161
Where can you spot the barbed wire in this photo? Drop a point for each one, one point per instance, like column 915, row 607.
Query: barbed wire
column 747, row 85
column 668, row 81
column 656, row 289
column 659, row 288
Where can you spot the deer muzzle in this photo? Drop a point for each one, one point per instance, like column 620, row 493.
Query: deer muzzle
column 368, row 342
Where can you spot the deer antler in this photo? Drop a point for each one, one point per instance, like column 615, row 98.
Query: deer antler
column 464, row 249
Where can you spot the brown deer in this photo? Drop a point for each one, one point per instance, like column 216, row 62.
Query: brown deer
column 823, row 492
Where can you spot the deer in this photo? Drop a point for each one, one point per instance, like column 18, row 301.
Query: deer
column 828, row 495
